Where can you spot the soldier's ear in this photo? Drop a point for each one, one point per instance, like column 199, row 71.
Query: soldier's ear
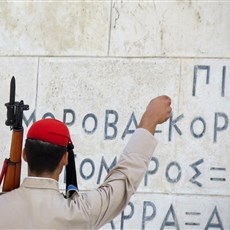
column 64, row 159
column 24, row 155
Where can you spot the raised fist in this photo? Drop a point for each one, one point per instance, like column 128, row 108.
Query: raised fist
column 157, row 112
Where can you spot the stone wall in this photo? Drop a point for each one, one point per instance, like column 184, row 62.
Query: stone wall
column 96, row 65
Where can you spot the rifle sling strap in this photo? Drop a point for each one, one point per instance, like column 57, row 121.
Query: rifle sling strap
column 3, row 172
column 4, row 167
column 9, row 162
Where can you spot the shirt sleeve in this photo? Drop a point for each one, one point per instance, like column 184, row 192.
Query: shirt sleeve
column 113, row 195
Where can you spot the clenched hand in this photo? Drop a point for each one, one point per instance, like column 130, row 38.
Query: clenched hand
column 157, row 112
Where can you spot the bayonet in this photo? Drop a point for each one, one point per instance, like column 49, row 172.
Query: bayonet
column 12, row 90
column 11, row 105
column 14, row 109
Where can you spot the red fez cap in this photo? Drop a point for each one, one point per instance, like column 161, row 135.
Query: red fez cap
column 50, row 130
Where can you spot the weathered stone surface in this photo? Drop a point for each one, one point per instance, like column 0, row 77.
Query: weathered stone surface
column 165, row 211
column 103, row 94
column 199, row 131
column 89, row 95
column 175, row 28
column 204, row 102
column 54, row 28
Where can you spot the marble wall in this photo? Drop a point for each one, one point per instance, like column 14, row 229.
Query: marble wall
column 96, row 65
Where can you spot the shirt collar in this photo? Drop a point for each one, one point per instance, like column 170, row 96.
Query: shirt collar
column 40, row 182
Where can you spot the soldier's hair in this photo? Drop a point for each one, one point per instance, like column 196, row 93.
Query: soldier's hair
column 43, row 156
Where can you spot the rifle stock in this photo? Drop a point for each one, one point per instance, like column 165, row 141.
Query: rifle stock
column 13, row 172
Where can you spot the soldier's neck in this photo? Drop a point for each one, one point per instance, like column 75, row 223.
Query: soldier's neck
column 53, row 175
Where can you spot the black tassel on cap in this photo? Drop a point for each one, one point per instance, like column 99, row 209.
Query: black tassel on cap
column 71, row 177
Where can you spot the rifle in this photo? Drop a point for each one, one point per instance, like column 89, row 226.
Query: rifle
column 11, row 170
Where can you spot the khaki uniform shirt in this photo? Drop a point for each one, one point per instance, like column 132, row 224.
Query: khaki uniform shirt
column 37, row 203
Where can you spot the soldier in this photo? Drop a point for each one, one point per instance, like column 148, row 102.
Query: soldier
column 37, row 203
